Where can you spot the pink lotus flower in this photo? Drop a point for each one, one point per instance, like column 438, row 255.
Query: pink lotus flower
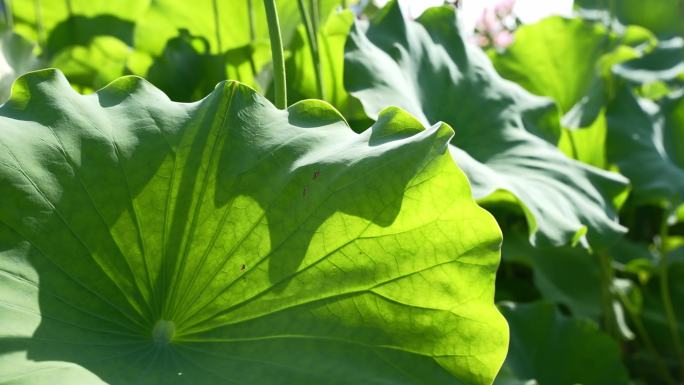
column 495, row 26
column 503, row 39
column 504, row 7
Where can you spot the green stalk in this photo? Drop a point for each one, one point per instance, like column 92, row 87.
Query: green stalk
column 647, row 340
column 611, row 15
column 40, row 30
column 73, row 27
column 344, row 4
column 313, row 48
column 313, row 8
column 252, row 22
column 217, row 26
column 670, row 314
column 609, row 319
column 9, row 18
column 277, row 53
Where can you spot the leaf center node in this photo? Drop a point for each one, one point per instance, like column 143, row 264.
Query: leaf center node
column 163, row 332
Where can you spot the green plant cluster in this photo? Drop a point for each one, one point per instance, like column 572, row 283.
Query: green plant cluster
column 417, row 211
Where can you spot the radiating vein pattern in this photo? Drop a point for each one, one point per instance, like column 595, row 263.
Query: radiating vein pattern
column 225, row 241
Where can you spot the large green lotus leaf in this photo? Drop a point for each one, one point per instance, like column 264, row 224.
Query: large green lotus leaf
column 425, row 67
column 554, row 349
column 16, row 58
column 301, row 78
column 149, row 242
column 646, row 141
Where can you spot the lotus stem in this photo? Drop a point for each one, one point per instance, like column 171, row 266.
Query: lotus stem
column 217, row 26
column 9, row 17
column 40, row 30
column 670, row 314
column 315, row 17
column 280, row 84
column 647, row 340
column 72, row 25
column 609, row 319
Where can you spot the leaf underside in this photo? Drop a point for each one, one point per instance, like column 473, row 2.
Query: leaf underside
column 149, row 242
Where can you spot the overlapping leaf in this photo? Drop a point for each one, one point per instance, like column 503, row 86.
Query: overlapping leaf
column 427, row 68
column 148, row 242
